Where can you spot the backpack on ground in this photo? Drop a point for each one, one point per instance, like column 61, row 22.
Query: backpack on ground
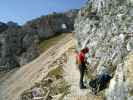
column 99, row 83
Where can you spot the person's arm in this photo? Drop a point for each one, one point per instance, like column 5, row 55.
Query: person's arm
column 86, row 62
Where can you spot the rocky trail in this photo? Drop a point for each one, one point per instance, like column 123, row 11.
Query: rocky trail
column 72, row 76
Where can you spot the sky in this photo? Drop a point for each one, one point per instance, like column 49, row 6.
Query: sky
column 21, row 11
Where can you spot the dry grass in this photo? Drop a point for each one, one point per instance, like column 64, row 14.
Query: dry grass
column 52, row 83
column 47, row 43
column 57, row 73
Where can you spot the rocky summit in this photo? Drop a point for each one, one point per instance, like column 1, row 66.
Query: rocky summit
column 106, row 27
column 19, row 44
column 54, row 23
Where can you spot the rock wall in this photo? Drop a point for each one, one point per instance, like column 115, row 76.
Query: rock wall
column 17, row 47
column 106, row 26
column 121, row 86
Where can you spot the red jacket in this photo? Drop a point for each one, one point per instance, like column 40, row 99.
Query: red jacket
column 82, row 57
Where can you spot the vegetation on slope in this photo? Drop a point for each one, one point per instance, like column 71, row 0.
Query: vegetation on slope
column 52, row 86
column 47, row 43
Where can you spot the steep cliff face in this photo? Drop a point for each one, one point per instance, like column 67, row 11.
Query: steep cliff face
column 106, row 26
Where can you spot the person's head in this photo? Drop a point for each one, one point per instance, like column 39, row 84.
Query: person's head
column 85, row 50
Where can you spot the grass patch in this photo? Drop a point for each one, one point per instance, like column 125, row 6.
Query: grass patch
column 57, row 73
column 59, row 87
column 47, row 43
column 50, row 85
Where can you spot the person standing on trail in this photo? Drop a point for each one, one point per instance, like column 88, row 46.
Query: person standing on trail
column 81, row 62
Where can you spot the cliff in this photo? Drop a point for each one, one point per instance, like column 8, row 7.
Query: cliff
column 106, row 28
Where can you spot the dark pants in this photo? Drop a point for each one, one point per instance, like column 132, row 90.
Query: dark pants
column 82, row 68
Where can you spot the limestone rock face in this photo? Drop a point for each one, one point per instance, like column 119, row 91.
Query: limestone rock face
column 52, row 24
column 107, row 26
column 121, row 86
column 118, row 89
column 14, row 43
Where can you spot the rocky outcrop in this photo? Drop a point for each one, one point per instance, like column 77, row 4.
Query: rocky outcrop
column 53, row 24
column 121, row 86
column 15, row 45
column 12, row 24
column 3, row 27
column 106, row 27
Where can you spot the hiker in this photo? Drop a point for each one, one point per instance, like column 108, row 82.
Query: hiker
column 81, row 62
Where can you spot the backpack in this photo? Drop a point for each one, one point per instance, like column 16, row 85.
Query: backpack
column 99, row 83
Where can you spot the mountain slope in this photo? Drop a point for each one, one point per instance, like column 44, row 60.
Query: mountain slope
column 26, row 76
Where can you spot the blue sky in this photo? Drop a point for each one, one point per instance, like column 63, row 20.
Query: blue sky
column 21, row 11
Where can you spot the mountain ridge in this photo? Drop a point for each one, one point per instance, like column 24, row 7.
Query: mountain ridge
column 20, row 44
